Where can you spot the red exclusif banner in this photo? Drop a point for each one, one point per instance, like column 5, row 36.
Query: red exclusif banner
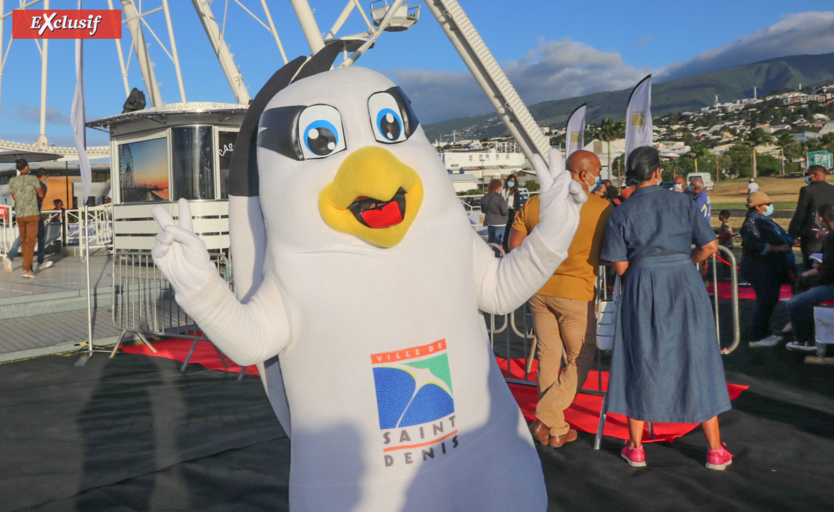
column 77, row 24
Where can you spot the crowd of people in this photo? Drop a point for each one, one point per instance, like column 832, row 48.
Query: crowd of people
column 768, row 261
column 28, row 190
column 662, row 370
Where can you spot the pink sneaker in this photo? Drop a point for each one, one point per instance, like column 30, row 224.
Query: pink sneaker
column 719, row 459
column 635, row 457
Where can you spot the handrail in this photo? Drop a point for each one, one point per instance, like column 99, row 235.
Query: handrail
column 735, row 309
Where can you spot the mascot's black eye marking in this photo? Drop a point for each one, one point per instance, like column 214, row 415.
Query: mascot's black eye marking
column 278, row 131
column 391, row 116
column 302, row 132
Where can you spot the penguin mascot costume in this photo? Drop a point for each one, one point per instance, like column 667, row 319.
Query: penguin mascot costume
column 357, row 267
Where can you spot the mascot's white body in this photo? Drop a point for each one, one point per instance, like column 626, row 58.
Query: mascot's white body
column 395, row 398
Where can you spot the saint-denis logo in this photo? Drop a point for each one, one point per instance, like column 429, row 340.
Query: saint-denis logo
column 415, row 404
column 65, row 24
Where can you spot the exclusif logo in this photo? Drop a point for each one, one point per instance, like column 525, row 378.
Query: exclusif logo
column 415, row 403
column 66, row 24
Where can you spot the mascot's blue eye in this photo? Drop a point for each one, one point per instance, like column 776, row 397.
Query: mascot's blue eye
column 321, row 137
column 389, row 119
column 320, row 132
column 389, row 124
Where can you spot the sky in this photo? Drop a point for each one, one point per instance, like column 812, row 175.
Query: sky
column 549, row 50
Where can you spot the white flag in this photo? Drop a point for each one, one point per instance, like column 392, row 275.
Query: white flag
column 639, row 117
column 78, row 121
column 575, row 133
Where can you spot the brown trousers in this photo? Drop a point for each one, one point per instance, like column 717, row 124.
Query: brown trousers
column 563, row 326
column 28, row 227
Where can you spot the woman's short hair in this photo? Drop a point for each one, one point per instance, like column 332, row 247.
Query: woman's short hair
column 642, row 162
column 494, row 185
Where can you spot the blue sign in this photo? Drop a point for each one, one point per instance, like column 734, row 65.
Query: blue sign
column 823, row 158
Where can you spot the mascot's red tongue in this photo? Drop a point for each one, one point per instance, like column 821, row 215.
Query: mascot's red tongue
column 388, row 215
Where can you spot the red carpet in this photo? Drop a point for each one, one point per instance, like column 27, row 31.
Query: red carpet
column 177, row 349
column 725, row 291
column 583, row 414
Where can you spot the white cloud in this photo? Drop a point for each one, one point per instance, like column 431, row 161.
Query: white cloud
column 31, row 114
column 566, row 68
column 558, row 69
column 796, row 34
column 553, row 70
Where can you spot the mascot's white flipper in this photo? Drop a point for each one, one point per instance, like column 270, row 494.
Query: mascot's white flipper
column 504, row 284
column 370, row 294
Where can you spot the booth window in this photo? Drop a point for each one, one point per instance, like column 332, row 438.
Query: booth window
column 226, row 147
column 193, row 164
column 143, row 170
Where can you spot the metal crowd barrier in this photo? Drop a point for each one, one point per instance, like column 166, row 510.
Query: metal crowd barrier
column 143, row 300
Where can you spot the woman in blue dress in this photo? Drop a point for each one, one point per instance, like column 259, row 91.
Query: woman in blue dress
column 666, row 365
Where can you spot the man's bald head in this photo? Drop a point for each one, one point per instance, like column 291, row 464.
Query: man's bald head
column 584, row 167
column 817, row 173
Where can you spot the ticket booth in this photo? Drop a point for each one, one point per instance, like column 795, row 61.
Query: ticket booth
column 176, row 151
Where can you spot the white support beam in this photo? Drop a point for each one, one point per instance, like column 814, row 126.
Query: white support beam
column 274, row 32
column 489, row 75
column 121, row 57
column 308, row 25
column 176, row 56
column 42, row 140
column 224, row 56
column 134, row 25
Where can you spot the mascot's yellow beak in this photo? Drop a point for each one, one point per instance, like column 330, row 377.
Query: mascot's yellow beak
column 374, row 196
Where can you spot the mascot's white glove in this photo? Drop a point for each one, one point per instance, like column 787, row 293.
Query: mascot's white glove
column 180, row 254
column 561, row 201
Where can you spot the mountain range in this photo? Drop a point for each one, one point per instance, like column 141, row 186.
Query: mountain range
column 684, row 94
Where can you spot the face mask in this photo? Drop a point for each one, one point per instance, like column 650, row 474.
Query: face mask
column 659, row 182
column 593, row 187
column 678, row 186
column 768, row 211
column 808, row 180
column 511, row 184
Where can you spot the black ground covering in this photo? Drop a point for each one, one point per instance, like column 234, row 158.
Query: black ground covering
column 133, row 434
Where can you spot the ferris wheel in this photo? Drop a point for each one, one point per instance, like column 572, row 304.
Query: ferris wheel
column 150, row 38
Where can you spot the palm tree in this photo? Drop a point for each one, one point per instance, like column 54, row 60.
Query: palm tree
column 783, row 140
column 610, row 130
column 758, row 137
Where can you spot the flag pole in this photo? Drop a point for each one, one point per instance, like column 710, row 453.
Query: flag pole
column 78, row 121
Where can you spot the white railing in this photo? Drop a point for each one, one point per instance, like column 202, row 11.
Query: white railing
column 99, row 222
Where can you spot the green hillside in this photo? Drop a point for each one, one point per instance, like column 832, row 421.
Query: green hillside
column 679, row 95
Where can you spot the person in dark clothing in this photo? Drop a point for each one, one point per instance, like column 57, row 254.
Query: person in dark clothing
column 804, row 223
column 820, row 284
column 766, row 260
column 513, row 199
column 725, row 239
column 495, row 212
